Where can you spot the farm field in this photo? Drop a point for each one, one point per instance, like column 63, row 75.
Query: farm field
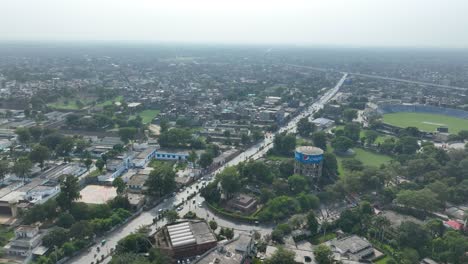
column 425, row 122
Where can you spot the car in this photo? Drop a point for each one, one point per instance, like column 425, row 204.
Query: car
column 180, row 208
column 199, row 204
column 160, row 210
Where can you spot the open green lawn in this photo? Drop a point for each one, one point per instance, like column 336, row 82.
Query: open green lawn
column 426, row 122
column 380, row 139
column 383, row 260
column 69, row 104
column 148, row 115
column 111, row 101
column 368, row 158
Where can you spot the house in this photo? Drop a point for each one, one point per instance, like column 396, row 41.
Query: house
column 236, row 251
column 455, row 225
column 166, row 154
column 323, row 123
column 116, row 167
column 137, row 182
column 243, row 203
column 26, row 239
column 185, row 239
column 144, row 157
column 352, row 247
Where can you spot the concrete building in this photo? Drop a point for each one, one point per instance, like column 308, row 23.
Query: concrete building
column 26, row 239
column 185, row 239
column 352, row 247
column 136, row 183
column 144, row 157
column 308, row 162
column 237, row 251
column 166, row 154
column 323, row 123
column 243, row 203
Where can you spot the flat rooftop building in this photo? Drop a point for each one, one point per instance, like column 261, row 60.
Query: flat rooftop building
column 186, row 239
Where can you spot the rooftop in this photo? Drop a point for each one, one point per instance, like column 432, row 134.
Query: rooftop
column 309, row 150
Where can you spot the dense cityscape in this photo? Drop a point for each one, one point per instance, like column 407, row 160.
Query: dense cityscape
column 234, row 132
column 235, row 155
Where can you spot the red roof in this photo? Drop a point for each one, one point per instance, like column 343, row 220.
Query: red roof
column 454, row 224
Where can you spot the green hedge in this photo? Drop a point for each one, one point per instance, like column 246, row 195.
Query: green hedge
column 231, row 215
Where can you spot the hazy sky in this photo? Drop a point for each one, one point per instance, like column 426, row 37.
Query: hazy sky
column 442, row 23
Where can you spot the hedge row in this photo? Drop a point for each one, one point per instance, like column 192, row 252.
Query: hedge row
column 231, row 215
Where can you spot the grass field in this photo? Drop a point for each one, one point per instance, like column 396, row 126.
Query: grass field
column 69, row 104
column 368, row 158
column 426, row 122
column 148, row 115
column 111, row 101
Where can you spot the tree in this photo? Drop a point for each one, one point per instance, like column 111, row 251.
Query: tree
column 256, row 171
column 56, row 237
column 308, row 201
column 205, row 160
column 161, row 180
column 312, row 222
column 164, row 124
column 282, row 256
column 119, row 184
column 69, row 192
column 81, row 230
column 4, row 169
column 171, row 216
column 280, row 232
column 133, row 243
column 65, row 220
column 23, row 135
column 371, row 136
column 320, row 140
column 157, row 256
column 323, row 254
column 230, row 181
column 245, row 139
column 65, row 147
column 22, row 167
column 406, row 145
column 423, row 199
column 39, row 154
column 227, row 232
column 192, row 156
column 88, row 162
column 412, row 235
column 297, row 183
column 352, row 164
column 100, row 164
column 304, row 127
column 352, row 131
column 213, row 225
column 350, row 114
column 127, row 134
column 330, row 165
column 36, row 133
column 342, row 143
column 284, row 144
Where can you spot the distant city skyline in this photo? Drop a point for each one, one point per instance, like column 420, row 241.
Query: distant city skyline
column 357, row 23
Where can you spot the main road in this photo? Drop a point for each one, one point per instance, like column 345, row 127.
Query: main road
column 146, row 217
column 383, row 78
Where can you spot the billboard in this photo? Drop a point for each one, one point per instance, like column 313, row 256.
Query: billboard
column 308, row 159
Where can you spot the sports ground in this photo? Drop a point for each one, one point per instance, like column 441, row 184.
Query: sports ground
column 426, row 122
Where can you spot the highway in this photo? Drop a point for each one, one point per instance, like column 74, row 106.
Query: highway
column 146, row 217
column 383, row 78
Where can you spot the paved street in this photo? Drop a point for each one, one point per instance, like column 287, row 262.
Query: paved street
column 146, row 217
